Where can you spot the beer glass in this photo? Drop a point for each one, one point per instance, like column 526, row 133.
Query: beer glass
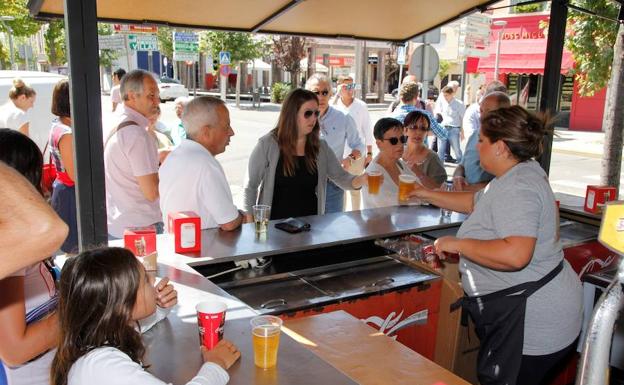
column 261, row 215
column 374, row 182
column 406, row 185
column 266, row 334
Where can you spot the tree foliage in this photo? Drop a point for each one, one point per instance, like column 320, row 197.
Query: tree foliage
column 54, row 37
column 591, row 41
column 288, row 52
column 23, row 25
column 242, row 46
column 165, row 41
column 107, row 56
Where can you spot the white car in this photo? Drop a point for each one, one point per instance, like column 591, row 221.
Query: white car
column 170, row 89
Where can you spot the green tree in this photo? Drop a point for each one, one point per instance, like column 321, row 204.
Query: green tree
column 242, row 47
column 23, row 25
column 54, row 37
column 107, row 56
column 445, row 66
column 165, row 41
column 597, row 46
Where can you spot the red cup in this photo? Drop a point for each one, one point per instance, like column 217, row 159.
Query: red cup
column 210, row 320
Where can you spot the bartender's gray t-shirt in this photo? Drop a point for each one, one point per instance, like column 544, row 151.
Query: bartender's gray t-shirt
column 521, row 203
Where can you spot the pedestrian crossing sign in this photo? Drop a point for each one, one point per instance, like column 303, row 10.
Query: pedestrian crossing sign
column 224, row 58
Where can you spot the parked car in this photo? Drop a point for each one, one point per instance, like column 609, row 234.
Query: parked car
column 40, row 115
column 170, row 89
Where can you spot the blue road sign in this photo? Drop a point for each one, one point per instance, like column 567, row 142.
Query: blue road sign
column 224, row 58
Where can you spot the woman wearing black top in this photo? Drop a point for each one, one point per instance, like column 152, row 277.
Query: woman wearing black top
column 289, row 167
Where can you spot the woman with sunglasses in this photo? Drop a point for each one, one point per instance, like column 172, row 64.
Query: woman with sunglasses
column 289, row 167
column 425, row 163
column 390, row 140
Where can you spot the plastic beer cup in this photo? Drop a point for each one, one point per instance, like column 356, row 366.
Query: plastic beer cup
column 406, row 185
column 261, row 215
column 266, row 334
column 374, row 182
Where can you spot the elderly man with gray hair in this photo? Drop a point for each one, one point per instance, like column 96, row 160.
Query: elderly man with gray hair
column 131, row 158
column 192, row 179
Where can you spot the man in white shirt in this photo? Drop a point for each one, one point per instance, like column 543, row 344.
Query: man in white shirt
column 192, row 179
column 346, row 102
column 115, row 92
column 131, row 158
column 452, row 112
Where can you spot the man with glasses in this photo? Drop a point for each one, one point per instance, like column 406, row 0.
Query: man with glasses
column 346, row 102
column 192, row 179
column 338, row 130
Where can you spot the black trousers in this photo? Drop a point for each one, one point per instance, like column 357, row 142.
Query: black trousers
column 539, row 370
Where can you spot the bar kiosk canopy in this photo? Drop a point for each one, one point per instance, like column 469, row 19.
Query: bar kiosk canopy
column 393, row 20
column 390, row 20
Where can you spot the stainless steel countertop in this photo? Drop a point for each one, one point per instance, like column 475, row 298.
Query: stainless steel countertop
column 172, row 345
column 326, row 230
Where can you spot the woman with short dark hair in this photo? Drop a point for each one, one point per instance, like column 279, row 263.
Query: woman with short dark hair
column 290, row 166
column 390, row 140
column 522, row 295
column 61, row 145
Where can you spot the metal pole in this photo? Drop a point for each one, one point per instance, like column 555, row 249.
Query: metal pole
column 11, row 48
column 86, row 112
column 498, row 45
column 552, row 70
column 424, row 92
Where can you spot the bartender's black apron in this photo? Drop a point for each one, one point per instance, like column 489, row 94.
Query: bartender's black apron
column 499, row 324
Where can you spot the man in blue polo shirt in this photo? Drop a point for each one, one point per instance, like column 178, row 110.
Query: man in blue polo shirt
column 337, row 129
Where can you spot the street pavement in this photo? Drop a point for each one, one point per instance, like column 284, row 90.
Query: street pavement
column 576, row 157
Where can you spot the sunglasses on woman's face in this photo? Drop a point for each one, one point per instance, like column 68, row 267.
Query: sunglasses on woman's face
column 322, row 93
column 394, row 140
column 421, row 127
column 307, row 114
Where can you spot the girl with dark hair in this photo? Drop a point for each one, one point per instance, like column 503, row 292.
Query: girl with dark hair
column 522, row 295
column 103, row 293
column 62, row 154
column 13, row 114
column 29, row 324
column 291, row 164
column 388, row 133
column 425, row 163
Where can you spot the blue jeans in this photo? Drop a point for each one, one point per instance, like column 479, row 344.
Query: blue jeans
column 453, row 139
column 334, row 198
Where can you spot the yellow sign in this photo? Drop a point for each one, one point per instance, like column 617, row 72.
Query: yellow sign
column 612, row 228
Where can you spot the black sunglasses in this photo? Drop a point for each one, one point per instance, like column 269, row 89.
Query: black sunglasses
column 309, row 113
column 324, row 92
column 394, row 140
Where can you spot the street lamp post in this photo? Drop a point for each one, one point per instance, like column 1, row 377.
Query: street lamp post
column 3, row 19
column 501, row 24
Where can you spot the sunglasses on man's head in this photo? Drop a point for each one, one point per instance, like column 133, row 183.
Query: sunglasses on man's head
column 394, row 140
column 323, row 93
column 308, row 113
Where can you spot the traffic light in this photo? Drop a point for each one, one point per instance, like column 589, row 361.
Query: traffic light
column 215, row 65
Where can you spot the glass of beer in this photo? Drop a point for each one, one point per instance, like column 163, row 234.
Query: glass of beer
column 261, row 215
column 374, row 181
column 266, row 333
column 406, row 185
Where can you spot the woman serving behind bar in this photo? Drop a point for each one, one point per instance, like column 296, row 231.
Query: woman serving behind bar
column 523, row 297
column 289, row 167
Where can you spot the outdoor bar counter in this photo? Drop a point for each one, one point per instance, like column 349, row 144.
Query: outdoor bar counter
column 173, row 344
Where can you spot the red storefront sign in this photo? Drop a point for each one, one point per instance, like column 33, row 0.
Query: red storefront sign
column 135, row 28
column 337, row 61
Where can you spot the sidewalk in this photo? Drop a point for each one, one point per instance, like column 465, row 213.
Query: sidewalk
column 589, row 144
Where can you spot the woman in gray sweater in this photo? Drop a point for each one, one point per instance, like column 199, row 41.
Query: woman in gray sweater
column 289, row 167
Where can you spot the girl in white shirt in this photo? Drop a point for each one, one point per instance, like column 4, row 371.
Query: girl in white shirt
column 103, row 293
column 13, row 113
